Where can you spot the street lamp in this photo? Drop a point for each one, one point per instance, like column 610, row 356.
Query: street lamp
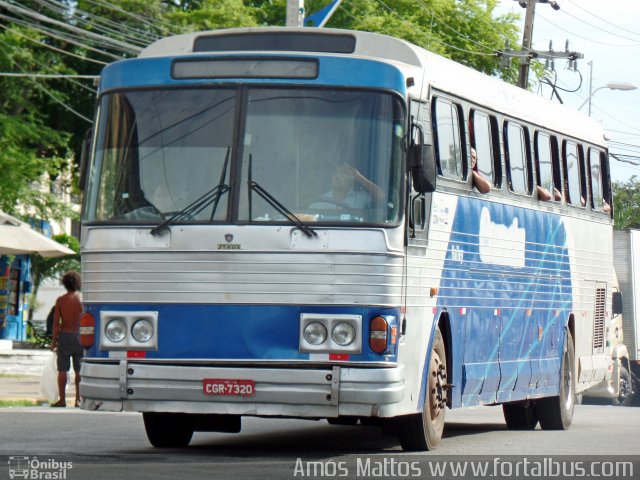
column 610, row 86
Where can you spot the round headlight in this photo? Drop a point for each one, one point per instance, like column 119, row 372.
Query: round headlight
column 343, row 334
column 142, row 330
column 116, row 330
column 315, row 333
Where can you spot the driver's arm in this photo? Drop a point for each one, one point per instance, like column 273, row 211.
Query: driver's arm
column 374, row 190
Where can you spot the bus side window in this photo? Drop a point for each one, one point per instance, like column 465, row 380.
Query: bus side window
column 544, row 167
column 584, row 175
column 483, row 133
column 572, row 157
column 448, row 139
column 557, row 169
column 518, row 156
column 598, row 181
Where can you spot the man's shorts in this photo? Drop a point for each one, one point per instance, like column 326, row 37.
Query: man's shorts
column 69, row 347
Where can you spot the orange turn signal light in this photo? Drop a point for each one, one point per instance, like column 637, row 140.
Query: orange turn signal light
column 87, row 331
column 378, row 334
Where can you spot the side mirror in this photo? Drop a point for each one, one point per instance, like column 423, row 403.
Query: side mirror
column 422, row 163
column 85, row 153
column 616, row 303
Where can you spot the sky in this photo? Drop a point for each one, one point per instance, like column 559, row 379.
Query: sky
column 607, row 33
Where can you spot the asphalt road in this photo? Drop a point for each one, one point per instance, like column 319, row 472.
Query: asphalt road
column 74, row 444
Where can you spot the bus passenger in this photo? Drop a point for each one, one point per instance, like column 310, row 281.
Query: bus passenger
column 543, row 193
column 351, row 189
column 482, row 184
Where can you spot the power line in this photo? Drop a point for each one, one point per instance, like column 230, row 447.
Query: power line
column 37, row 16
column 46, row 91
column 601, row 29
column 147, row 21
column 51, row 47
column 55, row 34
column 48, row 75
column 614, row 118
column 435, row 39
column 620, row 158
column 600, row 18
column 624, row 133
column 624, row 144
column 585, row 38
column 141, row 37
column 99, row 26
column 449, row 27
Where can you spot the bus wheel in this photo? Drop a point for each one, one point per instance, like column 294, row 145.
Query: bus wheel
column 520, row 416
column 344, row 420
column 625, row 392
column 423, row 431
column 168, row 430
column 556, row 413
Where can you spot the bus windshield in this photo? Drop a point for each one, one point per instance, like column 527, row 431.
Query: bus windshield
column 225, row 155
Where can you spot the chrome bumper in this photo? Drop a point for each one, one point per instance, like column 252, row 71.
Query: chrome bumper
column 280, row 390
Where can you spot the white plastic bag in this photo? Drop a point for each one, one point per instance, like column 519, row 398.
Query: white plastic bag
column 49, row 379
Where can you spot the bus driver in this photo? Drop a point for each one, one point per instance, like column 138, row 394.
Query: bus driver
column 351, row 189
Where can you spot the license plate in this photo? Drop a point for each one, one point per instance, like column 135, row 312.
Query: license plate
column 227, row 386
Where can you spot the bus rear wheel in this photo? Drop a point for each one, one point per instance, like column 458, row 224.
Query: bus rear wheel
column 167, row 430
column 423, row 431
column 556, row 413
column 520, row 416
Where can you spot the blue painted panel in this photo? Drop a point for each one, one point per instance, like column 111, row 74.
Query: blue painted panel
column 508, row 297
column 485, row 377
column 241, row 332
column 481, row 374
column 339, row 72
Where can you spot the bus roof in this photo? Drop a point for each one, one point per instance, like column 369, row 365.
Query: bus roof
column 436, row 71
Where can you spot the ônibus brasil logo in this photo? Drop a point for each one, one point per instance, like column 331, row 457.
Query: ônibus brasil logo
column 38, row 469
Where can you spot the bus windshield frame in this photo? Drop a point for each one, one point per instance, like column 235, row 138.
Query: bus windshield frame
column 330, row 156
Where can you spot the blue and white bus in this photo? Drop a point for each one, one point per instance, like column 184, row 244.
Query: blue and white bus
column 283, row 223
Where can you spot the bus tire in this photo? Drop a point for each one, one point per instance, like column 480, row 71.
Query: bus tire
column 343, row 420
column 167, row 430
column 625, row 390
column 520, row 416
column 556, row 413
column 423, row 431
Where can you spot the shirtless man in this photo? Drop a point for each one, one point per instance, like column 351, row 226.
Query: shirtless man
column 66, row 323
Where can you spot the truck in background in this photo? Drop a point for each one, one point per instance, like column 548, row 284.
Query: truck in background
column 624, row 330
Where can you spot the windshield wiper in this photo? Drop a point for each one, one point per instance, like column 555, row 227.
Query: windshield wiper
column 200, row 203
column 271, row 200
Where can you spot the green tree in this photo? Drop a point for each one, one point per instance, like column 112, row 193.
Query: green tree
column 213, row 14
column 626, row 202
column 45, row 268
column 34, row 143
column 43, row 121
column 467, row 31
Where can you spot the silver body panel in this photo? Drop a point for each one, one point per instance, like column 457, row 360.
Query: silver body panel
column 272, row 265
column 280, row 390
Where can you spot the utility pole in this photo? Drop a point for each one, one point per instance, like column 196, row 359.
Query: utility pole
column 295, row 13
column 590, row 63
column 527, row 36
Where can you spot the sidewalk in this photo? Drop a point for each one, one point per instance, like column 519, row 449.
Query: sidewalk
column 20, row 372
column 27, row 388
column 21, row 366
